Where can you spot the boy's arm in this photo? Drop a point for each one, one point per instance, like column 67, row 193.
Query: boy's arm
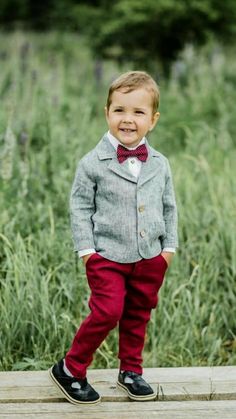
column 167, row 255
column 170, row 240
column 82, row 207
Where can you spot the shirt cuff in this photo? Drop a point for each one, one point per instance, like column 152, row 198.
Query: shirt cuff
column 169, row 249
column 85, row 252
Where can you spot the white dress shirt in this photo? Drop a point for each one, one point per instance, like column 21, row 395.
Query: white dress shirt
column 134, row 166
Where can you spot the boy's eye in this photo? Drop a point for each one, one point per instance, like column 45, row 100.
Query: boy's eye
column 139, row 112
column 118, row 110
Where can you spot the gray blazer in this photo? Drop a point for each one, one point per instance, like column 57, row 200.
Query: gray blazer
column 125, row 219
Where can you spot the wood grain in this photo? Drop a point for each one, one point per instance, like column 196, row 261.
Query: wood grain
column 196, row 392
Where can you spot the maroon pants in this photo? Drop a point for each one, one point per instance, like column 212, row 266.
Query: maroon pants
column 120, row 292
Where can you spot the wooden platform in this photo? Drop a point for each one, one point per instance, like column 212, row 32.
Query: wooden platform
column 181, row 393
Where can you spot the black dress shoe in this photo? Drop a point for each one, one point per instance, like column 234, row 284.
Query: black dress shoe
column 135, row 386
column 75, row 390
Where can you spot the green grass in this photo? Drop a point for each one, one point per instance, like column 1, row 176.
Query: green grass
column 51, row 114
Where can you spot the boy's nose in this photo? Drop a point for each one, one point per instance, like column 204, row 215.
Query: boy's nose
column 128, row 118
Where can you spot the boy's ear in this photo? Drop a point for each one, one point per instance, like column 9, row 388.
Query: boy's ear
column 106, row 113
column 155, row 118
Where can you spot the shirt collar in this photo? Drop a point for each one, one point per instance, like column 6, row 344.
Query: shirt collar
column 113, row 140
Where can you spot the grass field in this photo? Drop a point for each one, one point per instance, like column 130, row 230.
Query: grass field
column 51, row 114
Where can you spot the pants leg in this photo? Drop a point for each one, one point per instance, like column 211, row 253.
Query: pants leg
column 142, row 288
column 107, row 283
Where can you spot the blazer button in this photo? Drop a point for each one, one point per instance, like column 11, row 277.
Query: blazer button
column 142, row 233
column 141, row 208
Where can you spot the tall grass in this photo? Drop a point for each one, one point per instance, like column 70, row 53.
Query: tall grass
column 51, row 114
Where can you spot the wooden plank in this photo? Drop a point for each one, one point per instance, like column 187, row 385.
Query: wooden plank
column 192, row 391
column 38, row 394
column 185, row 391
column 202, row 383
column 154, row 375
column 120, row 410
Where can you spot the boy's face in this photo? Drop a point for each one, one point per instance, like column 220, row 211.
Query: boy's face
column 130, row 116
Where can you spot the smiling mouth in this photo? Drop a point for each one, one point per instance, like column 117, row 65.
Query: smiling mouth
column 127, row 130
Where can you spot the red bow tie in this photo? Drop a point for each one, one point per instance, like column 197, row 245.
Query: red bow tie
column 140, row 152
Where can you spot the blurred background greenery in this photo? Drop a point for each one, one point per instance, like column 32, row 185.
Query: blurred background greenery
column 57, row 59
column 142, row 31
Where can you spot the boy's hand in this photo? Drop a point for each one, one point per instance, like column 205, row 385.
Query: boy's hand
column 86, row 258
column 168, row 257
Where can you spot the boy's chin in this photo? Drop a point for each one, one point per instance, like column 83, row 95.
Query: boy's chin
column 129, row 143
column 128, row 140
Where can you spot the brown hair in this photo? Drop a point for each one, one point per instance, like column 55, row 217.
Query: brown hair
column 134, row 80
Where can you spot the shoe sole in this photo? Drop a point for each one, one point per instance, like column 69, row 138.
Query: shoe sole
column 135, row 397
column 68, row 397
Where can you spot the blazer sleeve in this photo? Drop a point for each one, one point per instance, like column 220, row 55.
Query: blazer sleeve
column 82, row 207
column 170, row 239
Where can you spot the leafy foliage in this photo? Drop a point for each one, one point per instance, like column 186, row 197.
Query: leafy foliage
column 131, row 30
column 141, row 31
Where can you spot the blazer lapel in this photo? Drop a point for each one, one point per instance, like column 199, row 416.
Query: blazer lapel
column 150, row 167
column 106, row 151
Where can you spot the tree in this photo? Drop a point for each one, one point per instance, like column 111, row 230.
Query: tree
column 136, row 30
column 141, row 31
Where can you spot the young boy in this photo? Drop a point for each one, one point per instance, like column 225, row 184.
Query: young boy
column 124, row 224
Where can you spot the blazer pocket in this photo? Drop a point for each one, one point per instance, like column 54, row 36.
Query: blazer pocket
column 157, row 230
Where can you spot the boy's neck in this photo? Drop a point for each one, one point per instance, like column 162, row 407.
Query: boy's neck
column 113, row 140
